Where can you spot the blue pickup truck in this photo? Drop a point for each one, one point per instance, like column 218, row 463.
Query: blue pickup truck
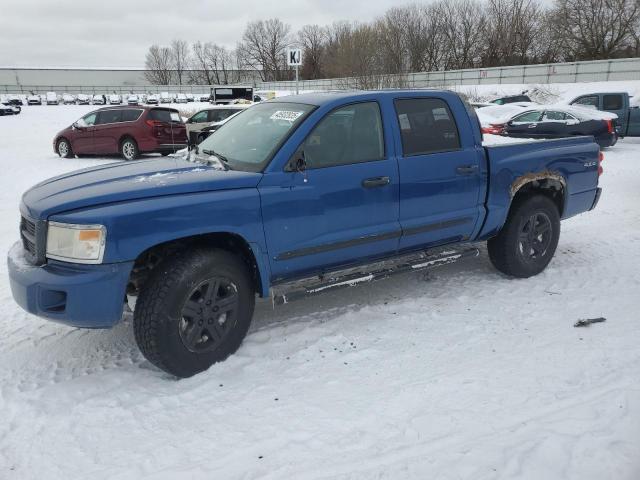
column 292, row 197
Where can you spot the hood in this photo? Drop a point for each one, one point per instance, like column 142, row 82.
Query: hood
column 117, row 182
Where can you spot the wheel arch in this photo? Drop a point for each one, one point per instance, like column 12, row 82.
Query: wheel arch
column 234, row 243
column 549, row 184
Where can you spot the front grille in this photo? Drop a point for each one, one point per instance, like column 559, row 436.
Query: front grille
column 33, row 240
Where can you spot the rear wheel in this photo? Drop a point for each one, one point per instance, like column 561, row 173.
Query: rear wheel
column 194, row 310
column 529, row 238
column 64, row 148
column 129, row 149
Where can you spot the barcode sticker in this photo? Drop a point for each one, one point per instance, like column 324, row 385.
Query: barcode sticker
column 288, row 115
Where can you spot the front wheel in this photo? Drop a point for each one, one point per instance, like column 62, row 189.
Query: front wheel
column 129, row 149
column 527, row 242
column 194, row 310
column 64, row 148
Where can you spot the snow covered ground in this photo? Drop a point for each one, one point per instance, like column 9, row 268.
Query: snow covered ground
column 458, row 374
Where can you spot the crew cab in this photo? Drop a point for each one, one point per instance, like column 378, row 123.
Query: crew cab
column 628, row 122
column 291, row 197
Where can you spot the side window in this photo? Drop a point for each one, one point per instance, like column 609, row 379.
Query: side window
column 88, row 120
column 591, row 101
column 131, row 115
column 109, row 116
column 612, row 102
column 200, row 117
column 554, row 116
column 426, row 126
column 350, row 134
column 528, row 117
column 219, row 114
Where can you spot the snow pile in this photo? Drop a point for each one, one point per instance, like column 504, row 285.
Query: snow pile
column 460, row 373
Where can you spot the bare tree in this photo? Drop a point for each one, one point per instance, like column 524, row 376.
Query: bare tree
column 179, row 58
column 158, row 65
column 463, row 22
column 596, row 29
column 263, row 48
column 312, row 38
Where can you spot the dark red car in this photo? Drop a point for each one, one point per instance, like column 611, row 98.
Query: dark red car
column 128, row 131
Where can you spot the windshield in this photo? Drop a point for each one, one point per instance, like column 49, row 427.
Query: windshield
column 249, row 140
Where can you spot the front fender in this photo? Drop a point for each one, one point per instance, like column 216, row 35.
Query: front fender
column 136, row 226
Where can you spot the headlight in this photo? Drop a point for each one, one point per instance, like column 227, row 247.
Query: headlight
column 76, row 243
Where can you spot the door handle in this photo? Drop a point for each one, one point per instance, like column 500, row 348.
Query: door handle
column 376, row 182
column 533, row 125
column 466, row 169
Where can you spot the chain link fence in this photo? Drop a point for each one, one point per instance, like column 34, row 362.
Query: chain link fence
column 573, row 72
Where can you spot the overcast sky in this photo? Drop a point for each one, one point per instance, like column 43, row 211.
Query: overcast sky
column 119, row 32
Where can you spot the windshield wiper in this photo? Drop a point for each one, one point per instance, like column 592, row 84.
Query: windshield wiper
column 223, row 160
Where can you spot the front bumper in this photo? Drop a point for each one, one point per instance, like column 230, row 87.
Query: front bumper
column 87, row 296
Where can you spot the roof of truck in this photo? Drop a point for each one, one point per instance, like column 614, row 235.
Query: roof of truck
column 322, row 98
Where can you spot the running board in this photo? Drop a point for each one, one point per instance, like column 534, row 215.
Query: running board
column 423, row 261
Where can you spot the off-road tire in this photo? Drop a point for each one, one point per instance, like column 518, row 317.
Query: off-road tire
column 159, row 311
column 505, row 249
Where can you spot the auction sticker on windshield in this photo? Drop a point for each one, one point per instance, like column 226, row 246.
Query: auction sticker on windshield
column 288, row 115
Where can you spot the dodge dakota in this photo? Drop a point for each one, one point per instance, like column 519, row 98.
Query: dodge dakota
column 292, row 197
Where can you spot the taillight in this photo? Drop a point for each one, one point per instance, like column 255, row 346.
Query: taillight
column 610, row 127
column 600, row 159
column 493, row 129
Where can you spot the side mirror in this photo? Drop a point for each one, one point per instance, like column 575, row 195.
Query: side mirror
column 298, row 162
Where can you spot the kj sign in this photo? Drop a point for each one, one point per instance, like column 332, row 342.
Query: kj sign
column 294, row 57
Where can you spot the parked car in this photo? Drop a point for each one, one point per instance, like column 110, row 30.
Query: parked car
column 619, row 103
column 68, row 99
column 556, row 122
column 133, row 99
column 34, row 99
column 52, row 98
column 7, row 109
column 511, row 99
column 280, row 201
column 83, row 99
column 128, row 131
column 204, row 97
column 115, row 99
column 204, row 118
column 98, row 100
column 153, row 99
column 165, row 97
column 181, row 98
column 15, row 100
column 189, row 97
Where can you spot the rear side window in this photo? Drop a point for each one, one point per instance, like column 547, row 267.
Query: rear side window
column 131, row 115
column 426, row 126
column 351, row 134
column 109, row 116
column 612, row 102
column 552, row 116
column 220, row 114
column 591, row 101
column 167, row 116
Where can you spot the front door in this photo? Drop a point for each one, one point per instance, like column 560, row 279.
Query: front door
column 524, row 125
column 108, row 131
column 342, row 206
column 82, row 141
column 441, row 177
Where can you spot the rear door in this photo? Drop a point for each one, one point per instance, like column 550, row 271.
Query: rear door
column 107, row 131
column 617, row 103
column 553, row 124
column 441, row 176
